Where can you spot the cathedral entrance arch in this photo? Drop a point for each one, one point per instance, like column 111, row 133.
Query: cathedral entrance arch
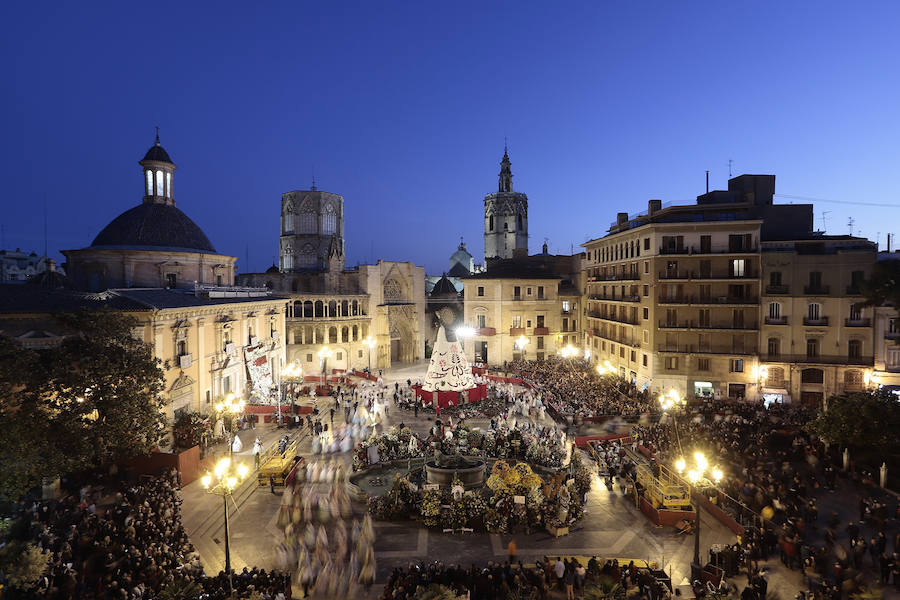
column 402, row 334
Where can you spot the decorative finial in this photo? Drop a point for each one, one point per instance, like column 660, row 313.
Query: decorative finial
column 505, row 146
column 313, row 186
column 157, row 135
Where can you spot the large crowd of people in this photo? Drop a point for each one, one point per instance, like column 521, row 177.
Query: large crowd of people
column 129, row 549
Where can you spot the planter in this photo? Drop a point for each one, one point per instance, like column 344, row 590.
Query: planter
column 557, row 531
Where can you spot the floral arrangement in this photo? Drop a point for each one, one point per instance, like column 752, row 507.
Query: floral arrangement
column 494, row 521
column 431, row 508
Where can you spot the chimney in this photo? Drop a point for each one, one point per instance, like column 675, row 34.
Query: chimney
column 654, row 206
column 621, row 218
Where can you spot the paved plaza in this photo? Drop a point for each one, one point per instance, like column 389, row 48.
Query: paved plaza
column 612, row 526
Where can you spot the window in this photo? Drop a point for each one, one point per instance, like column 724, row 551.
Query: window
column 739, row 242
column 774, row 310
column 491, row 223
column 527, row 291
column 815, row 280
column 893, row 326
column 359, row 354
column 738, row 267
column 703, row 364
column 703, row 316
column 812, row 376
column 180, row 348
column 565, row 306
column 565, row 324
column 218, row 280
column 149, row 182
column 226, row 384
column 621, row 351
column 171, row 280
column 812, row 348
column 159, row 183
column 517, row 321
column 671, row 363
column 856, row 278
column 646, row 313
column 644, row 358
column 646, row 290
column 208, row 396
column 705, row 268
column 329, row 220
column 736, row 365
column 517, row 293
column 481, row 290
column 633, row 356
column 854, row 349
column 814, row 311
column 774, row 346
column 540, row 342
column 540, row 320
column 646, row 243
column 646, row 336
column 855, row 312
column 646, row 267
column 168, row 185
column 482, row 321
column 306, row 222
column 705, row 244
column 505, row 226
column 775, row 278
column 540, row 295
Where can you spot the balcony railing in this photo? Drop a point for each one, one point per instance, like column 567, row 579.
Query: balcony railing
column 517, row 298
column 816, row 290
column 891, row 335
column 541, row 331
column 776, row 320
column 695, row 250
column 666, row 275
column 625, row 298
column 857, row 322
column 853, row 290
column 710, row 349
column 711, row 300
column 695, row 325
column 516, row 331
column 486, row 331
column 623, row 277
column 613, row 318
column 820, row 322
column 778, row 289
column 822, row 359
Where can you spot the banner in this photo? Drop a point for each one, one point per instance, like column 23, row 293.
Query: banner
column 260, row 373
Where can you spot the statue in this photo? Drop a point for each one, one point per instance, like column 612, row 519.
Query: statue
column 564, row 498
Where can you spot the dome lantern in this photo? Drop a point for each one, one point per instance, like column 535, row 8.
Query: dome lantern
column 159, row 171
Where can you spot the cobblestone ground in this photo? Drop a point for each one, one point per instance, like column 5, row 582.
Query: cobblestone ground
column 612, row 527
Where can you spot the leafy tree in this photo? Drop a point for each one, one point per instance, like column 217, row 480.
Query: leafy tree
column 883, row 287
column 93, row 400
column 23, row 564
column 860, row 419
column 181, row 589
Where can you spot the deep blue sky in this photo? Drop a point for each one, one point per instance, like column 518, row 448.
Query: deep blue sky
column 402, row 108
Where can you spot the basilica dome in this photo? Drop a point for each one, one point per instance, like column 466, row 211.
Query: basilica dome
column 154, row 226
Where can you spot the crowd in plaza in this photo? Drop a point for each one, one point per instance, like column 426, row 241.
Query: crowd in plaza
column 571, row 387
column 131, row 548
column 774, row 467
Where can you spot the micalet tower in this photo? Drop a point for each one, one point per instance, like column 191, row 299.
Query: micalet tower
column 505, row 217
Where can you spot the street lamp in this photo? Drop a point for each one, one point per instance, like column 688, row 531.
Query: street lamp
column 521, row 343
column 229, row 409
column 695, row 476
column 569, row 350
column 370, row 343
column 324, row 355
column 224, row 479
column 292, row 372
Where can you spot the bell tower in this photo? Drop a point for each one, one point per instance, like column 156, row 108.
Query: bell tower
column 505, row 217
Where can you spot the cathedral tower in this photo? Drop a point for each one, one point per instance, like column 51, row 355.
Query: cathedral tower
column 505, row 217
column 312, row 231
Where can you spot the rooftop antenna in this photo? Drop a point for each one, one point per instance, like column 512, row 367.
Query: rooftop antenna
column 707, row 181
column 877, row 240
column 313, row 186
column 850, row 225
column 729, row 168
column 824, row 212
column 157, row 135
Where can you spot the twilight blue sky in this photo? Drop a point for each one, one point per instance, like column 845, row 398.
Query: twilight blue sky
column 402, row 108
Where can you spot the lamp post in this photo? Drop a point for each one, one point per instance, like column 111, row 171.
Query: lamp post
column 291, row 372
column 521, row 345
column 229, row 409
column 370, row 343
column 324, row 355
column 695, row 475
column 224, row 479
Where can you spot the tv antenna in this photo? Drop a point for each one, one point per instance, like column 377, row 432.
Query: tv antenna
column 850, row 225
column 730, row 162
column 824, row 212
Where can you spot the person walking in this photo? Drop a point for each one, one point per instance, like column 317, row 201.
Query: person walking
column 257, row 447
column 511, row 549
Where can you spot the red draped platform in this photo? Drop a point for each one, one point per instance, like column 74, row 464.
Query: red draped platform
column 445, row 399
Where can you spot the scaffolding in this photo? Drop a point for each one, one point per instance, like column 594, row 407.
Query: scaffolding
column 664, row 491
column 273, row 463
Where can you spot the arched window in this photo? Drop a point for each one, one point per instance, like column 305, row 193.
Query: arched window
column 491, row 223
column 505, row 226
column 307, row 256
column 149, row 182
column 307, row 308
column 307, row 222
column 168, row 185
column 329, row 220
column 332, row 309
column 159, row 183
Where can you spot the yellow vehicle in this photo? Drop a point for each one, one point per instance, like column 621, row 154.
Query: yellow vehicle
column 275, row 464
column 665, row 491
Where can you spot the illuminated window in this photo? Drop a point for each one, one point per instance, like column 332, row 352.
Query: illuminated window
column 149, row 182
column 168, row 185
column 159, row 183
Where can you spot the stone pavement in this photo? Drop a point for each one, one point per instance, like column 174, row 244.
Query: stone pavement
column 611, row 528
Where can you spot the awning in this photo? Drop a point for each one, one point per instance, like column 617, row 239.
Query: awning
column 778, row 391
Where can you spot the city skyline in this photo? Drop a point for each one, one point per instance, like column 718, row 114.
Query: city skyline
column 405, row 117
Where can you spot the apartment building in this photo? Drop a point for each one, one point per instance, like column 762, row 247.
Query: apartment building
column 886, row 340
column 816, row 337
column 523, row 308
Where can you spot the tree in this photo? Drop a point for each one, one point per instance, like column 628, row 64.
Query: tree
column 860, row 420
column 23, row 564
column 93, row 400
column 883, row 287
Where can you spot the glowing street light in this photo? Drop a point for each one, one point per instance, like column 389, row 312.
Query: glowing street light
column 521, row 343
column 464, row 331
column 369, row 342
column 224, row 479
column 229, row 410
column 324, row 354
column 292, row 372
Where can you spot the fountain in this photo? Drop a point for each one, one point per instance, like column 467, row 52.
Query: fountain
column 442, row 468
